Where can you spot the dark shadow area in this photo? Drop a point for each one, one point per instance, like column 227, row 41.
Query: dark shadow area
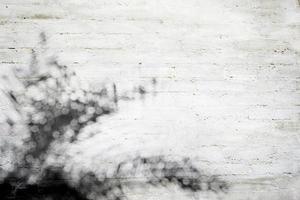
column 12, row 189
column 53, row 186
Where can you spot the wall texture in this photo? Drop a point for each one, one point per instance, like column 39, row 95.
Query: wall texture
column 228, row 92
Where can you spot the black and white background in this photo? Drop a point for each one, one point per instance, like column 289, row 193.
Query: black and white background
column 136, row 99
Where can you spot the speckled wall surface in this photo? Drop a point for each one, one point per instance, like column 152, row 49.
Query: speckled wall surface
column 228, row 82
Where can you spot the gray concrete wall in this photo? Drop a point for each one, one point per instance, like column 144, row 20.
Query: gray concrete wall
column 228, row 80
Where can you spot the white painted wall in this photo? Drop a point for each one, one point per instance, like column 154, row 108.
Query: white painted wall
column 228, row 80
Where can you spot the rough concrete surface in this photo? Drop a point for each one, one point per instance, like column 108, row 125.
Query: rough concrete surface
column 228, row 82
